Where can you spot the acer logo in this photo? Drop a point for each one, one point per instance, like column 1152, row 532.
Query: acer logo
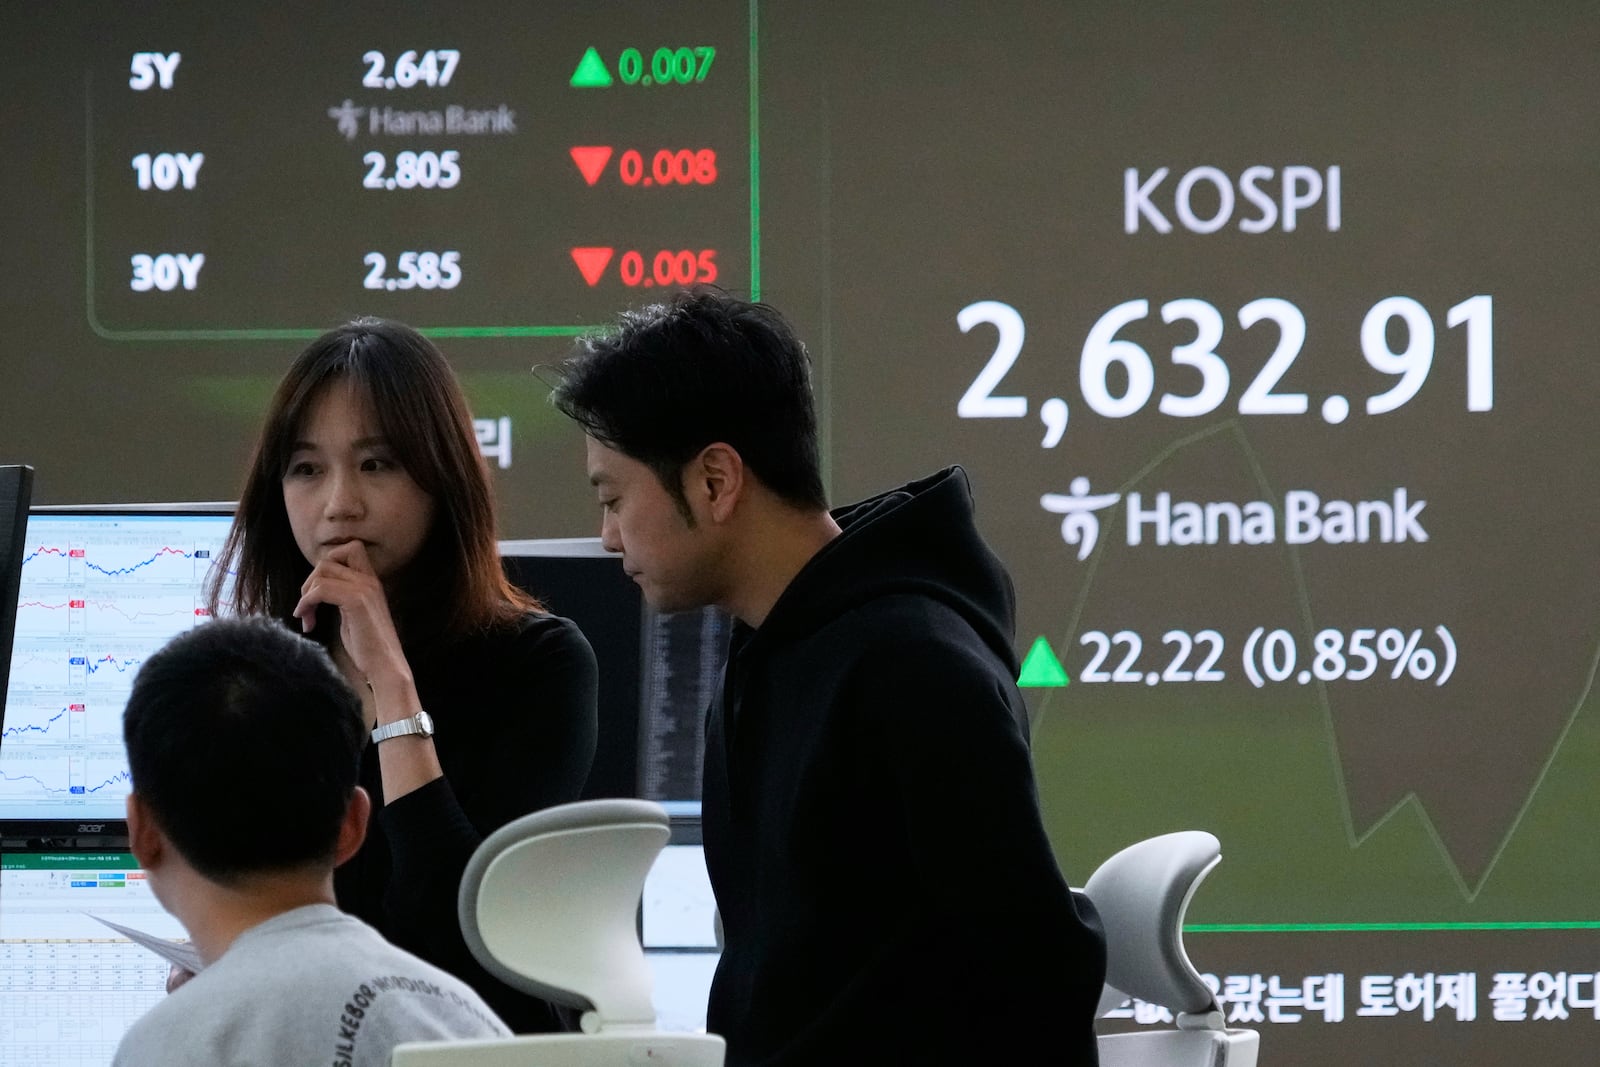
column 91, row 827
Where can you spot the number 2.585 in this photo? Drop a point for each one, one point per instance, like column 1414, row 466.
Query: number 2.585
column 417, row 270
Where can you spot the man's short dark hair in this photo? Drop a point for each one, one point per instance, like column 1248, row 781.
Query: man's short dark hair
column 670, row 379
column 244, row 743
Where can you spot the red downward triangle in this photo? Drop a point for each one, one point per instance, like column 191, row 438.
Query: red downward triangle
column 591, row 161
column 592, row 261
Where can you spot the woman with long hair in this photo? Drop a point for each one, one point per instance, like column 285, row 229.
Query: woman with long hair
column 367, row 520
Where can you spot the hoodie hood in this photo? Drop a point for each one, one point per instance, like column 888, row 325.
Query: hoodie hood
column 920, row 539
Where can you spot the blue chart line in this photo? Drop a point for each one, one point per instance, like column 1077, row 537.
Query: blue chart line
column 120, row 776
column 17, row 731
column 121, row 665
column 113, row 572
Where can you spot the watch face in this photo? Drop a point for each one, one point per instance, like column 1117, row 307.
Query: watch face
column 424, row 724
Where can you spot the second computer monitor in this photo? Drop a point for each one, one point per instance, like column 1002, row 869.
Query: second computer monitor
column 657, row 672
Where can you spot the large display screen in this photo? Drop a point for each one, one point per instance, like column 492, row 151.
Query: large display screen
column 1262, row 330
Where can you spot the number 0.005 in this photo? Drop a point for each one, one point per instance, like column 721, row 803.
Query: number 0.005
column 669, row 268
column 418, row 270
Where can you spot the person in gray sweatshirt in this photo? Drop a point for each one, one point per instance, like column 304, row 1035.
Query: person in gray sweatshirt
column 244, row 744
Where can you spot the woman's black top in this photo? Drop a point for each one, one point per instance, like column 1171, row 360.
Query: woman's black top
column 515, row 729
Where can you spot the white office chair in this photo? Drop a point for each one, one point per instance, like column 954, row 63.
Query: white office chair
column 548, row 904
column 1142, row 894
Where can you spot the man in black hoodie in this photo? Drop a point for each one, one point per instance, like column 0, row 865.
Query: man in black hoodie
column 872, row 831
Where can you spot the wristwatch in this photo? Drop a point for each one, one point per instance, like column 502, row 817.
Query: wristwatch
column 420, row 723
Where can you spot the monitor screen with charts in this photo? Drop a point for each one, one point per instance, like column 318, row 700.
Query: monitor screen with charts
column 100, row 591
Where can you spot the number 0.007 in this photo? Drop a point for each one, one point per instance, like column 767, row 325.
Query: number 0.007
column 418, row 270
column 667, row 65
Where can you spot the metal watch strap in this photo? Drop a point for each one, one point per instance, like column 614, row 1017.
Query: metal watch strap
column 420, row 723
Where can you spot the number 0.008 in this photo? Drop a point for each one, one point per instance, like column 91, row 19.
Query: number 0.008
column 683, row 167
column 413, row 170
column 418, row 270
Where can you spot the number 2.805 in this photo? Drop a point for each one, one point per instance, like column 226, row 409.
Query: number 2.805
column 413, row 170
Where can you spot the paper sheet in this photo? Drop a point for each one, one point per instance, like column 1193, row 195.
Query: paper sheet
column 181, row 953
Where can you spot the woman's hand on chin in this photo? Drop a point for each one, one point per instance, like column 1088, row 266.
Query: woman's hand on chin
column 344, row 578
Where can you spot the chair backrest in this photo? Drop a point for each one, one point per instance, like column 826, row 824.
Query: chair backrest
column 549, row 905
column 1142, row 894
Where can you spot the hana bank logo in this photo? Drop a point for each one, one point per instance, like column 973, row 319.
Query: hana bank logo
column 348, row 117
column 1305, row 517
column 1081, row 526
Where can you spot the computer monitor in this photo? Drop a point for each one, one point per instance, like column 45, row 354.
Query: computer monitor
column 69, row 985
column 100, row 589
column 657, row 672
column 16, row 488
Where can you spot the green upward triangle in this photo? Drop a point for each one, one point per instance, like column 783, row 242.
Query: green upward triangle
column 591, row 72
column 1041, row 669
